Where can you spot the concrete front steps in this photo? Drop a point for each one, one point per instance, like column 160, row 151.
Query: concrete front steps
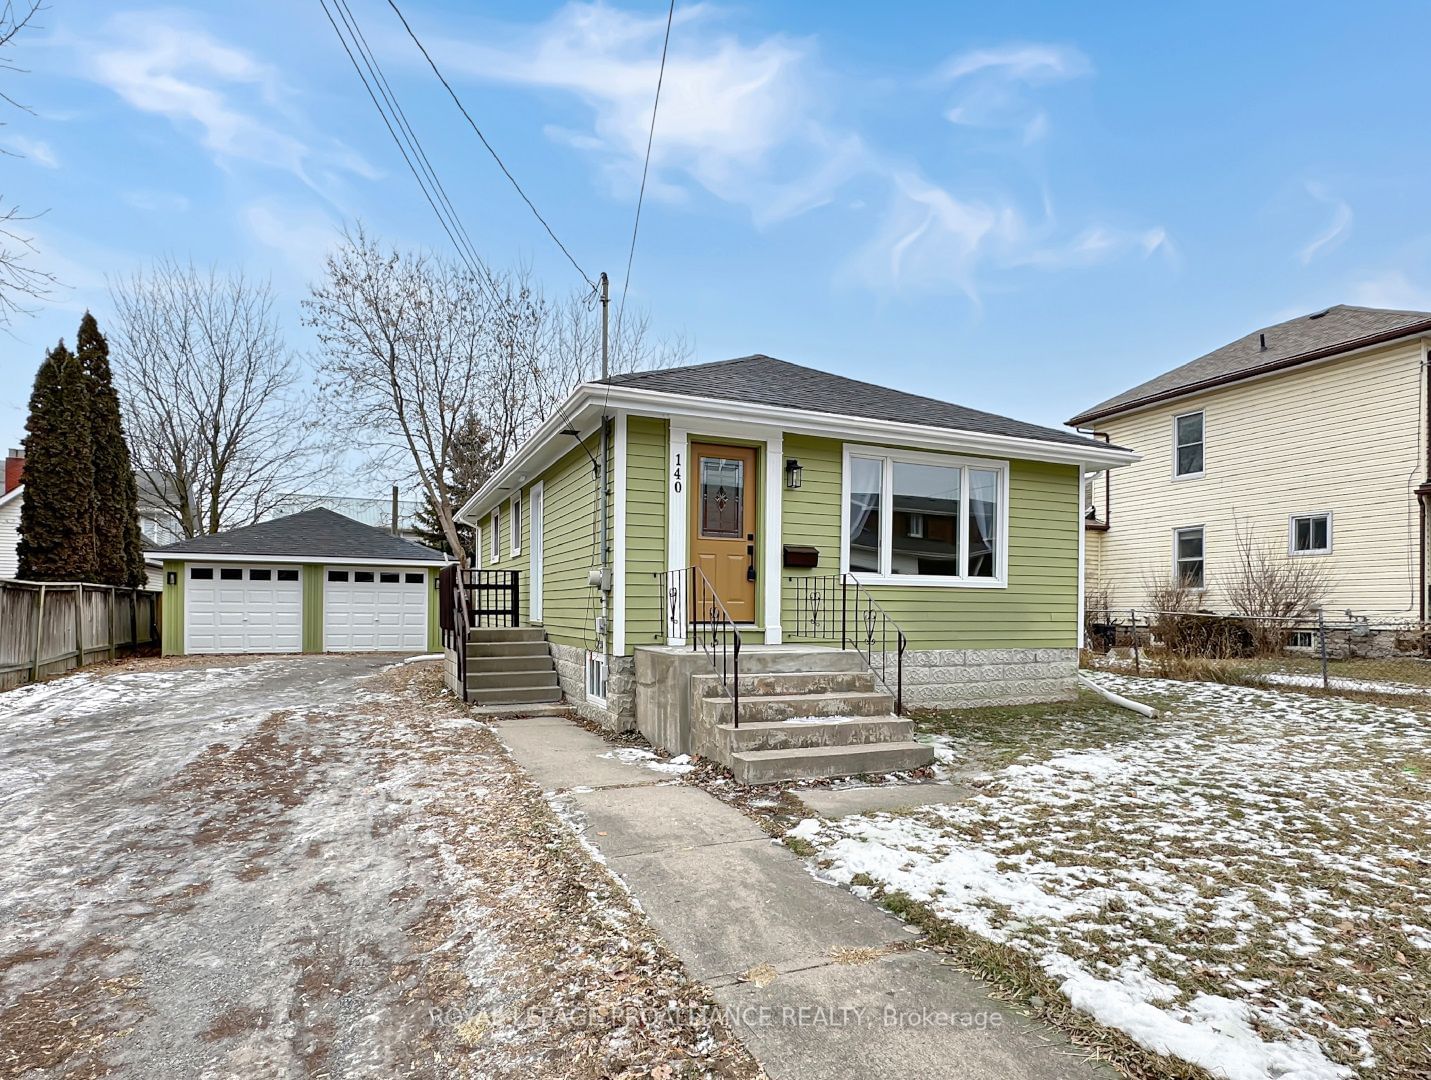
column 804, row 714
column 510, row 666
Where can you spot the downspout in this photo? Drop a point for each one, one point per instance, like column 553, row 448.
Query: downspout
column 1424, row 491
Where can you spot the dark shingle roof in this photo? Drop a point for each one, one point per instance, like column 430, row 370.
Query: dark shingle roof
column 313, row 534
column 764, row 380
column 1296, row 341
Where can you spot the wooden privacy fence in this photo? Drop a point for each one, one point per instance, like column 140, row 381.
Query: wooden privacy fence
column 48, row 627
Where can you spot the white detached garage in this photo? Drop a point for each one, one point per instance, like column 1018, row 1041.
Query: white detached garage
column 310, row 582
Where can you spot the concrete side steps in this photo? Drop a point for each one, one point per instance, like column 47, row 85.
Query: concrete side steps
column 510, row 695
column 768, row 707
column 524, row 680
column 804, row 735
column 478, row 665
column 477, row 649
column 783, row 683
column 824, row 762
column 491, row 634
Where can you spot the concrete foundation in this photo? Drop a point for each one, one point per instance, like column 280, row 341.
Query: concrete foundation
column 619, row 712
column 968, row 678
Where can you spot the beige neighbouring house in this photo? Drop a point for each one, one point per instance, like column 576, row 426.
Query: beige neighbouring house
column 1310, row 435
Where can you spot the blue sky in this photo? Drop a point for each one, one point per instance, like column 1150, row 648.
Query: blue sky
column 1023, row 209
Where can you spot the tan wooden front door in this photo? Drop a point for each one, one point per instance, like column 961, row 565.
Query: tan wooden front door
column 723, row 540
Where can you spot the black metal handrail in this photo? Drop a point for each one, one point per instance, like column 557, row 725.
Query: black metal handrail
column 455, row 617
column 694, row 611
column 831, row 607
column 495, row 597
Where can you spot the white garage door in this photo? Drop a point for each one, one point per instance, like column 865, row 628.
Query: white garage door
column 374, row 609
column 238, row 609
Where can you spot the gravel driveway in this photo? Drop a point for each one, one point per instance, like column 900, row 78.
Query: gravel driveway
column 290, row 867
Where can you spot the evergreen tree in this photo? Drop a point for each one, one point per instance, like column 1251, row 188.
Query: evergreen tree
column 427, row 529
column 57, row 508
column 118, row 547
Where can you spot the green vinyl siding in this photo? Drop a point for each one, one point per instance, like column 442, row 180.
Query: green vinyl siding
column 1038, row 608
column 434, row 623
column 569, row 551
column 171, row 630
column 312, row 578
column 645, row 530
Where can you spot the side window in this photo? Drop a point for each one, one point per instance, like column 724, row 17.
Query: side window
column 1310, row 534
column 496, row 535
column 1188, row 560
column 516, row 524
column 1188, row 444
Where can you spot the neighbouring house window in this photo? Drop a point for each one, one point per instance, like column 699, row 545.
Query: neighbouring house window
column 1301, row 639
column 596, row 677
column 516, row 524
column 1311, row 534
column 1188, row 557
column 1188, row 444
column 496, row 535
column 943, row 521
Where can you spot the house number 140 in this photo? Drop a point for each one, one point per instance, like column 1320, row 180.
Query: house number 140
column 676, row 475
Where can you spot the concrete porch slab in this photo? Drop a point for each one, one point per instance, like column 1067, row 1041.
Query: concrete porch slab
column 837, row 802
column 904, row 1015
column 732, row 907
column 654, row 819
column 560, row 754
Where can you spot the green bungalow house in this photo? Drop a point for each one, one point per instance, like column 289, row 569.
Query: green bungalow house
column 782, row 544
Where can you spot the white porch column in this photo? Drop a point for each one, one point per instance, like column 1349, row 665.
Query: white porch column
column 678, row 481
column 774, row 555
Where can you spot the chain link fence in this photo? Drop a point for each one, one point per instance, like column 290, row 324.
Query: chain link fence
column 1356, row 657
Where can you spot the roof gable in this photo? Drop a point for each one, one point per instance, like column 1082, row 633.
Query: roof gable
column 765, row 380
column 1285, row 344
column 315, row 534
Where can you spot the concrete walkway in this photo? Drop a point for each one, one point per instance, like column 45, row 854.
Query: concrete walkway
column 819, row 983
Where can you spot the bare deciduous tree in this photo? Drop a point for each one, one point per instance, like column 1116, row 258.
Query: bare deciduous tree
column 217, row 422
column 20, row 282
column 418, row 353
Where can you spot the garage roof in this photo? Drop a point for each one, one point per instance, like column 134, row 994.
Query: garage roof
column 316, row 535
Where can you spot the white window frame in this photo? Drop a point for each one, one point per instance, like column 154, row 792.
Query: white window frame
column 596, row 661
column 1203, row 471
column 496, row 534
column 479, row 536
column 1292, row 534
column 515, row 513
column 1177, row 563
column 890, row 455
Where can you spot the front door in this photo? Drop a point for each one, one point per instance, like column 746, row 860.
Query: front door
column 723, row 542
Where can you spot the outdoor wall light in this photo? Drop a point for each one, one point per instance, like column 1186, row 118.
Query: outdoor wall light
column 171, row 577
column 793, row 473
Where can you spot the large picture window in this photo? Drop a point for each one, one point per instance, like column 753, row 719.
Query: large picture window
column 923, row 518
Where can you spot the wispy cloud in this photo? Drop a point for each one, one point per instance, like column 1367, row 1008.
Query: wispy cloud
column 995, row 85
column 1336, row 230
column 231, row 101
column 36, row 150
column 743, row 120
column 302, row 235
column 1391, row 289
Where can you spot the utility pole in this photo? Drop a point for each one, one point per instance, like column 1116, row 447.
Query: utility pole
column 602, row 478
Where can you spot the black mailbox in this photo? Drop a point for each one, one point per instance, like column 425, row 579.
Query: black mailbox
column 799, row 556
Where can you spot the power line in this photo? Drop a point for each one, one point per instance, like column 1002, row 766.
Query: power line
column 495, row 157
column 380, row 79
column 402, row 148
column 645, row 168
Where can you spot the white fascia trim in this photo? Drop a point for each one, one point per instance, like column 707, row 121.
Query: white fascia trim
column 618, row 541
column 13, row 493
column 289, row 560
column 853, row 428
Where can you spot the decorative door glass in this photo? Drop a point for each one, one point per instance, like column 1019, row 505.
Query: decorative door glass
column 723, row 498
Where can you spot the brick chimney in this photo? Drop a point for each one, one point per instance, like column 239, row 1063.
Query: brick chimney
column 14, row 470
